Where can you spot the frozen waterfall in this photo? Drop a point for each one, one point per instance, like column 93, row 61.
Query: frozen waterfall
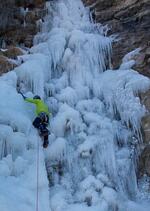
column 90, row 164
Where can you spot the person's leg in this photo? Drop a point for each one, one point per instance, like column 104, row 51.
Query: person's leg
column 47, row 119
column 46, row 142
column 45, row 137
column 44, row 132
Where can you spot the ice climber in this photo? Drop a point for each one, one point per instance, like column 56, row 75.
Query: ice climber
column 42, row 119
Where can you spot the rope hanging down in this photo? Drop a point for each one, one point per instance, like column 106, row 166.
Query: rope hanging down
column 37, row 179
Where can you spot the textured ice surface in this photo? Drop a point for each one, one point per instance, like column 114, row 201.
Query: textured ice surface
column 95, row 121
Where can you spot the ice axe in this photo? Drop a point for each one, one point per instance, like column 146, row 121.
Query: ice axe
column 22, row 95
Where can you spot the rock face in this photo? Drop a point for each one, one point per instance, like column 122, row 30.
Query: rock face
column 144, row 164
column 18, row 21
column 130, row 19
column 13, row 52
column 7, row 59
column 5, row 65
column 18, row 25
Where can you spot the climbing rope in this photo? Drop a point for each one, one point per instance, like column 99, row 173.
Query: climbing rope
column 37, row 179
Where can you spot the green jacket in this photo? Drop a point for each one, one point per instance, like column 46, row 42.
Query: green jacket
column 40, row 105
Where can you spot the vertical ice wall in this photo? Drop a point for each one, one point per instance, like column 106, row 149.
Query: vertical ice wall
column 96, row 113
column 18, row 153
column 95, row 123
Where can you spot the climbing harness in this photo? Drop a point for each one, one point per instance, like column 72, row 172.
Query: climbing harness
column 44, row 118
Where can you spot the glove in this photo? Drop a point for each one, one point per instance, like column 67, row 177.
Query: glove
column 24, row 97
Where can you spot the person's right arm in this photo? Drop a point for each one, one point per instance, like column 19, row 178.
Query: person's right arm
column 30, row 100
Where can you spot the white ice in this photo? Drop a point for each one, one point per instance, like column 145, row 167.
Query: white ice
column 90, row 163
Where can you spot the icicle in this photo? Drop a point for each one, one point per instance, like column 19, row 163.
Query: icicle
column 95, row 121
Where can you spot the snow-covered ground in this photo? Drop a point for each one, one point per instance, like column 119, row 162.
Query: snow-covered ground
column 95, row 124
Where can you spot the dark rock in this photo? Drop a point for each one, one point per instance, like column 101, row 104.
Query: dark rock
column 144, row 164
column 146, row 129
column 31, row 4
column 13, row 52
column 5, row 65
column 15, row 27
column 129, row 19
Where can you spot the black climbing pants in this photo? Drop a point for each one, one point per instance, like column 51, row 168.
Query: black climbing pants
column 42, row 126
column 38, row 122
